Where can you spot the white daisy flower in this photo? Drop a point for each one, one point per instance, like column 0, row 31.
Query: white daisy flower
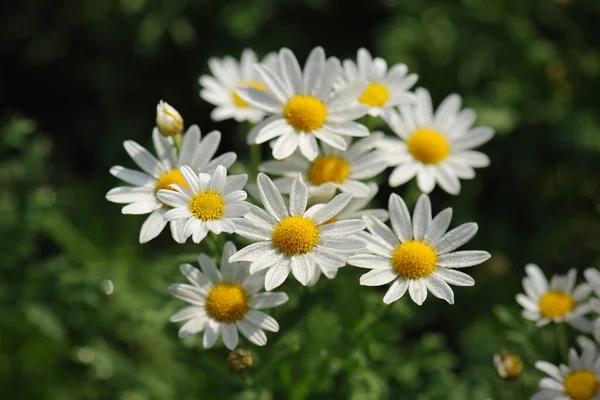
column 293, row 238
column 384, row 88
column 229, row 75
column 592, row 275
column 332, row 169
column 303, row 105
column 436, row 147
column 417, row 256
column 579, row 380
column 162, row 171
column 206, row 202
column 556, row 301
column 225, row 301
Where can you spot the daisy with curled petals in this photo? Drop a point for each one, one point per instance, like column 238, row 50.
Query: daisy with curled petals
column 206, row 202
column 579, row 380
column 556, row 301
column 225, row 301
column 303, row 106
column 293, row 238
column 228, row 76
column 333, row 169
column 160, row 172
column 417, row 255
column 437, row 147
column 384, row 88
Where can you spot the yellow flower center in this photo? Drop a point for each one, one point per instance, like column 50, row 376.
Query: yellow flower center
column 207, row 205
column 305, row 113
column 556, row 304
column 237, row 100
column 295, row 235
column 414, row 260
column 428, row 146
column 375, row 95
column 168, row 178
column 328, row 169
column 581, row 385
column 227, row 302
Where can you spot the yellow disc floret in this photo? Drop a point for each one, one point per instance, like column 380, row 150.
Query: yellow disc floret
column 414, row 260
column 581, row 385
column 556, row 304
column 227, row 302
column 168, row 178
column 305, row 113
column 295, row 235
column 328, row 169
column 207, row 205
column 237, row 100
column 375, row 95
column 428, row 146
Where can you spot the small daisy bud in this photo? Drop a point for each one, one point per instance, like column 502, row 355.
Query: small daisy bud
column 168, row 119
column 509, row 366
column 239, row 360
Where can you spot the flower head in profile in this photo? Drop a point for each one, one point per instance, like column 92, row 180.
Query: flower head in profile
column 437, row 147
column 303, row 107
column 592, row 276
column 508, row 365
column 224, row 301
column 228, row 76
column 294, row 239
column 556, row 301
column 333, row 169
column 417, row 256
column 385, row 88
column 206, row 202
column 160, row 172
column 578, row 380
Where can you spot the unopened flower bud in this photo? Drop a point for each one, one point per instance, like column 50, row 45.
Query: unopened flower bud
column 508, row 365
column 239, row 360
column 168, row 119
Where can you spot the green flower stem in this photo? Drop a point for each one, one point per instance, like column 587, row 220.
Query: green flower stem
column 255, row 156
column 562, row 342
column 176, row 143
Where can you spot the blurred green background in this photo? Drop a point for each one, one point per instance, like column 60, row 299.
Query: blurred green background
column 85, row 307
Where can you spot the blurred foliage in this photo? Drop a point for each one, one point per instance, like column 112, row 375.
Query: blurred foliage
column 85, row 307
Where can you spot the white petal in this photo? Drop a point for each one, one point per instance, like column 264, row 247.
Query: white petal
column 453, row 277
column 461, row 259
column 262, row 320
column 332, row 208
column 400, row 218
column 268, row 300
column 298, row 197
column 212, row 330
column 253, row 333
column 370, row 261
column 342, row 229
column 277, row 274
column 209, row 269
column 378, row 277
column 250, row 230
column 193, row 326
column 301, row 268
column 439, row 289
column 133, row 177
column 142, row 157
column 397, row 290
column 417, row 291
column 426, row 178
column 143, row 207
column 421, row 217
column 152, row 226
column 129, row 194
column 456, row 238
column 402, row 174
column 230, row 335
column 188, row 312
column 379, row 229
column 439, row 225
column 271, row 198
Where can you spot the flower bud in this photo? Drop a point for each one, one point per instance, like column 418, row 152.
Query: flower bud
column 508, row 365
column 168, row 119
column 239, row 360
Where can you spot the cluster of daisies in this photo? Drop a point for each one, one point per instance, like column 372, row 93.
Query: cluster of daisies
column 560, row 301
column 309, row 211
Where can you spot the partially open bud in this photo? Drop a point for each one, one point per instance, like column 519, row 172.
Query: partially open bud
column 239, row 360
column 508, row 365
column 168, row 119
